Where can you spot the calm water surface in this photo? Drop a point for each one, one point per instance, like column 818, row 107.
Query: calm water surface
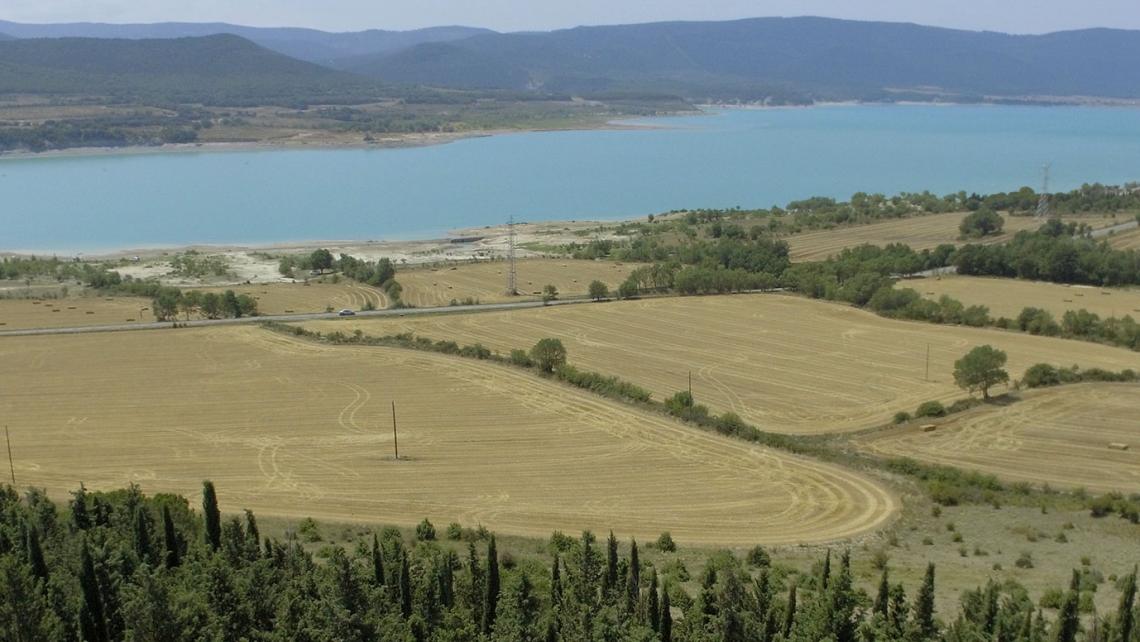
column 751, row 158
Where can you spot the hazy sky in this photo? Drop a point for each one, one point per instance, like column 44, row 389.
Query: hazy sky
column 1016, row 16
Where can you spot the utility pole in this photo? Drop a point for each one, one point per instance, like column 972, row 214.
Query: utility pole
column 395, row 441
column 927, row 378
column 690, row 385
column 11, row 465
column 512, row 270
column 1043, row 207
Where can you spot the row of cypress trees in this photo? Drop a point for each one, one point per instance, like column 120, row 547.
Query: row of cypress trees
column 122, row 566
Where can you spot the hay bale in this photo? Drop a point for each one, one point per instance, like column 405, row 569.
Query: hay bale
column 928, row 427
column 1118, row 446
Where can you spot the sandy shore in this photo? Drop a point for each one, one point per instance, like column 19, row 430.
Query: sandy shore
column 257, row 263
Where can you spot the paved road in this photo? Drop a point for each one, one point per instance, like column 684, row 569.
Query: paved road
column 128, row 327
column 1112, row 229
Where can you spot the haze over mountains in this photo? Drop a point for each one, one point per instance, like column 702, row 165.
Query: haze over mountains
column 776, row 59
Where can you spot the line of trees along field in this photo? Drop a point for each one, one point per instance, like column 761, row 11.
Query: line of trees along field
column 123, row 566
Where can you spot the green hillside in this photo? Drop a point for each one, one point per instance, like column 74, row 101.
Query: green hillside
column 212, row 70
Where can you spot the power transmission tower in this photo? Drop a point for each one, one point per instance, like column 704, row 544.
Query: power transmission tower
column 1043, row 209
column 512, row 272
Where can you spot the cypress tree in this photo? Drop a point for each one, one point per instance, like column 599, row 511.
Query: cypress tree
column 633, row 588
column 36, row 554
column 212, row 516
column 883, row 597
column 173, row 555
column 825, row 576
column 1068, row 618
column 491, row 594
column 475, row 597
column 555, row 585
column 762, row 591
column 610, row 579
column 447, row 580
column 1025, row 634
column 790, row 612
column 841, row 609
column 730, row 599
column 405, row 586
column 990, row 615
column 252, row 535
column 666, row 630
column 92, row 598
column 652, row 608
column 896, row 618
column 1125, row 615
column 142, row 536
column 377, row 562
column 924, row 606
column 79, row 515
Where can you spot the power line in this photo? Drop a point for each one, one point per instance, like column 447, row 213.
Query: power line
column 512, row 271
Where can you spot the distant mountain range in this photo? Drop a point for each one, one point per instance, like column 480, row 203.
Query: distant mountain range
column 815, row 56
column 304, row 44
column 4, row 36
column 779, row 59
column 222, row 69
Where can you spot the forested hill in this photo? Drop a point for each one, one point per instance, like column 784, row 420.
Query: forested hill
column 220, row 69
column 807, row 57
column 304, row 44
column 4, row 36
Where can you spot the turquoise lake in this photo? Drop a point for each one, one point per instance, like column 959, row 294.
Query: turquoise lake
column 751, row 158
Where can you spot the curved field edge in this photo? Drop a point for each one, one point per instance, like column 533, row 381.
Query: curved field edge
column 1063, row 437
column 295, row 429
column 785, row 364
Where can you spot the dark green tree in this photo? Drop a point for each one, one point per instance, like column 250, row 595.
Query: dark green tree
column 173, row 547
column 212, row 516
column 516, row 620
column 93, row 612
column 633, row 585
column 598, row 290
column 555, row 584
column 1068, row 618
column 491, row 590
column 790, row 612
column 609, row 580
column 666, row 630
column 79, row 516
column 883, row 596
column 405, row 586
column 1126, row 613
column 981, row 369
column 924, row 623
column 652, row 607
column 548, row 354
column 142, row 536
column 36, row 554
column 377, row 562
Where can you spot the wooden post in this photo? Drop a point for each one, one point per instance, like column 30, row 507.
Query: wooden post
column 11, row 465
column 395, row 440
column 690, row 385
column 928, row 362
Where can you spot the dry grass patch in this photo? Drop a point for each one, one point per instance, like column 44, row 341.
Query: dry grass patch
column 785, row 363
column 487, row 281
column 919, row 232
column 1060, row 436
column 293, row 429
column 1007, row 297
column 19, row 314
column 287, row 298
column 1127, row 240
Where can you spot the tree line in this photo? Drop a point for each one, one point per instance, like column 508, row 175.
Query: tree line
column 124, row 566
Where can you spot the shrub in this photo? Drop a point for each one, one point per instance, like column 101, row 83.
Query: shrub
column 1025, row 560
column 902, row 417
column 931, row 409
column 521, row 358
column 454, row 531
column 425, row 532
column 1052, row 598
column 1041, row 375
column 548, row 354
column 757, row 556
column 665, row 543
column 309, row 530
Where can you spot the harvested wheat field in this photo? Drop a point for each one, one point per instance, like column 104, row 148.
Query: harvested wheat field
column 290, row 428
column 785, row 363
column 487, row 281
column 919, row 232
column 19, row 314
column 1007, row 297
column 1060, row 436
column 1127, row 240
column 314, row 296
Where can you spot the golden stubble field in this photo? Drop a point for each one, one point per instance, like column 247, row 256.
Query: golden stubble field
column 19, row 314
column 314, row 296
column 1127, row 240
column 919, row 232
column 1007, row 297
column 292, row 429
column 487, row 281
column 1059, row 436
column 785, row 363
